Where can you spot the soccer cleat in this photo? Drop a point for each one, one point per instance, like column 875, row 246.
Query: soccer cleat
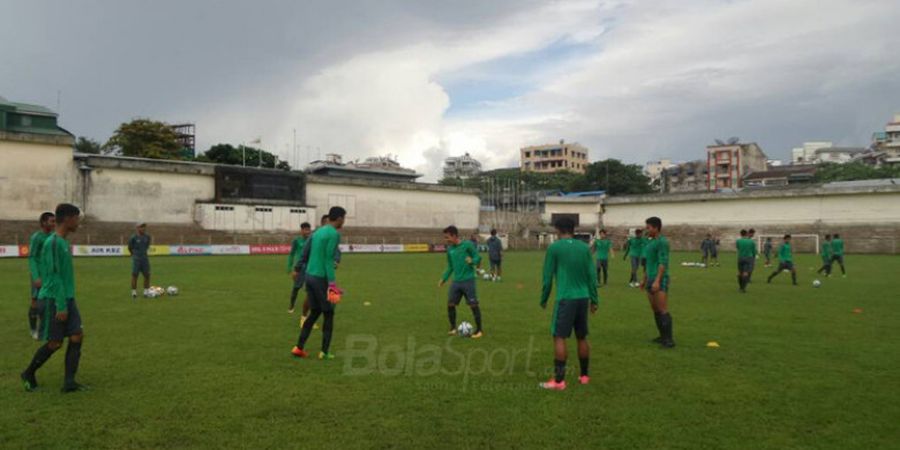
column 657, row 340
column 553, row 385
column 29, row 381
column 478, row 334
column 299, row 352
column 326, row 356
column 452, row 332
column 302, row 319
column 291, row 311
column 35, row 335
column 667, row 344
column 584, row 379
column 69, row 387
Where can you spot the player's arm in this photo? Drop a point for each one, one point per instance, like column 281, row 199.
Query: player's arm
column 473, row 253
column 330, row 242
column 448, row 271
column 131, row 245
column 57, row 263
column 592, row 281
column 292, row 255
column 549, row 272
column 625, row 249
column 663, row 258
column 33, row 265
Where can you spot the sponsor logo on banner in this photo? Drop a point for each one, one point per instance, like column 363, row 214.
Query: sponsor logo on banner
column 392, row 248
column 190, row 250
column 416, row 248
column 277, row 249
column 9, row 251
column 361, row 248
column 157, row 250
column 439, row 248
column 24, row 250
column 98, row 250
column 230, row 249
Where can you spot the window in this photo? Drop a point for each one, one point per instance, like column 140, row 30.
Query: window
column 298, row 211
column 260, row 209
column 556, row 216
column 528, row 154
column 224, row 208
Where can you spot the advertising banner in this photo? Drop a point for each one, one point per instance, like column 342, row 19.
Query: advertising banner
column 190, row 250
column 230, row 249
column 158, row 250
column 98, row 250
column 10, row 251
column 274, row 249
column 439, row 248
column 416, row 248
column 392, row 248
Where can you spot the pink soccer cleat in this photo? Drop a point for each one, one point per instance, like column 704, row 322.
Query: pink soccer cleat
column 553, row 385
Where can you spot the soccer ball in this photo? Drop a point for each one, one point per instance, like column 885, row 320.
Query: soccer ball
column 817, row 283
column 464, row 329
column 151, row 293
column 172, row 290
column 487, row 276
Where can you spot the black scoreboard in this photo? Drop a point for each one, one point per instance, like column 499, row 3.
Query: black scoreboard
column 235, row 183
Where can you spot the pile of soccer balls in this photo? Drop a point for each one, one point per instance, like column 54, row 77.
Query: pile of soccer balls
column 692, row 264
column 158, row 291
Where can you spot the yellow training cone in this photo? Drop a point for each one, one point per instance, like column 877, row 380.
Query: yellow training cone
column 712, row 344
column 367, row 303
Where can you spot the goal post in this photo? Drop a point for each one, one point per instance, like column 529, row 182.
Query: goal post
column 800, row 242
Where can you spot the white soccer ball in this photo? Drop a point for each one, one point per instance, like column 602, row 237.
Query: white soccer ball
column 487, row 276
column 465, row 329
column 172, row 290
column 151, row 293
column 817, row 283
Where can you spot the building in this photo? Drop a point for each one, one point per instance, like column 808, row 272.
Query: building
column 688, row 176
column 461, row 167
column 806, row 153
column 728, row 163
column 886, row 144
column 655, row 169
column 837, row 155
column 781, row 176
column 29, row 119
column 185, row 136
column 373, row 168
column 583, row 210
column 551, row 158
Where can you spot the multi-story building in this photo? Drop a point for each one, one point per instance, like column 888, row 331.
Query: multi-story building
column 461, row 167
column 373, row 168
column 806, row 153
column 685, row 177
column 654, row 169
column 885, row 145
column 728, row 164
column 554, row 158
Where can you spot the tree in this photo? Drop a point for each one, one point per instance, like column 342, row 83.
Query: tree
column 87, row 145
column 850, row 171
column 144, row 138
column 615, row 178
column 231, row 155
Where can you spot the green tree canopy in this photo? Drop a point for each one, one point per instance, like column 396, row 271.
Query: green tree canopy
column 144, row 138
column 828, row 172
column 87, row 145
column 231, row 155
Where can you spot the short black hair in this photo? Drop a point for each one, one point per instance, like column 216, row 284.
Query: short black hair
column 827, row 236
column 45, row 217
column 751, row 231
column 836, row 236
column 743, row 232
column 323, row 219
column 655, row 222
column 452, row 230
column 305, row 226
column 787, row 236
column 336, row 213
column 603, row 230
column 639, row 231
column 493, row 231
column 565, row 225
column 66, row 210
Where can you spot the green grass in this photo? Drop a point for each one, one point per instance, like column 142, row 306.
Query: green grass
column 211, row 368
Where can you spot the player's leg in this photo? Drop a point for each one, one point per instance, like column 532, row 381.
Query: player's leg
column 327, row 331
column 134, row 278
column 661, row 302
column 316, row 289
column 499, row 269
column 34, row 313
column 840, row 260
column 656, row 317
column 605, row 267
column 793, row 274
column 73, row 350
column 54, row 332
column 581, row 333
column 472, row 301
column 634, row 266
column 454, row 296
column 560, row 328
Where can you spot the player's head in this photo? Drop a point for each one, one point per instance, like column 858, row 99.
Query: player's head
column 769, row 239
column 324, row 220
column 639, row 232
column 751, row 232
column 654, row 226
column 48, row 221
column 836, row 236
column 565, row 226
column 743, row 233
column 708, row 236
column 68, row 217
column 493, row 231
column 603, row 233
column 451, row 235
column 141, row 228
column 827, row 237
column 336, row 216
column 305, row 229
column 787, row 238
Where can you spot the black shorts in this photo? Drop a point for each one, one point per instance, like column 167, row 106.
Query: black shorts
column 785, row 265
column 460, row 289
column 745, row 264
column 140, row 266
column 838, row 258
column 301, row 278
column 663, row 283
column 317, row 290
column 569, row 315
column 602, row 264
column 54, row 330
column 495, row 263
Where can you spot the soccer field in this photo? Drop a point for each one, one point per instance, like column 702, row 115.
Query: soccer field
column 797, row 367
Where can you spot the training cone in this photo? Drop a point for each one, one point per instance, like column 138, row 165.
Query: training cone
column 857, row 310
column 367, row 303
column 712, row 344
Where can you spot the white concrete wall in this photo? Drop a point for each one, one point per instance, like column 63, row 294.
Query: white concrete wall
column 832, row 209
column 253, row 218
column 379, row 207
column 35, row 177
column 588, row 210
column 123, row 195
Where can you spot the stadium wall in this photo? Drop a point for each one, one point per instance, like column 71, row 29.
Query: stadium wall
column 36, row 173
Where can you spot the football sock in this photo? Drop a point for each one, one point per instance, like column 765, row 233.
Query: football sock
column 476, row 311
column 559, row 370
column 658, row 318
column 794, row 277
column 40, row 357
column 327, row 328
column 73, row 356
column 451, row 314
column 666, row 325
column 584, row 365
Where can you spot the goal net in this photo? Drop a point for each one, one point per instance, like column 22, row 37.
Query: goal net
column 800, row 243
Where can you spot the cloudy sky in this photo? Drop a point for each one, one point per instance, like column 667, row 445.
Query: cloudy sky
column 635, row 80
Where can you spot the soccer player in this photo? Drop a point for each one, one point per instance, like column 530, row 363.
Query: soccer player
column 837, row 252
column 714, row 252
column 634, row 248
column 602, row 248
column 751, row 235
column 321, row 284
column 569, row 261
column 767, row 250
column 462, row 258
column 495, row 254
column 656, row 281
column 61, row 317
column 785, row 260
column 745, row 250
column 706, row 247
column 297, row 271
column 825, row 253
column 35, row 244
column 303, row 262
column 138, row 247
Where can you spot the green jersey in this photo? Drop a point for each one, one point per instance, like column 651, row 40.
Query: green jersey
column 58, row 275
column 602, row 247
column 636, row 247
column 837, row 247
column 657, row 252
column 784, row 253
column 323, row 244
column 296, row 251
column 825, row 250
column 456, row 261
column 569, row 261
column 746, row 248
column 35, row 244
